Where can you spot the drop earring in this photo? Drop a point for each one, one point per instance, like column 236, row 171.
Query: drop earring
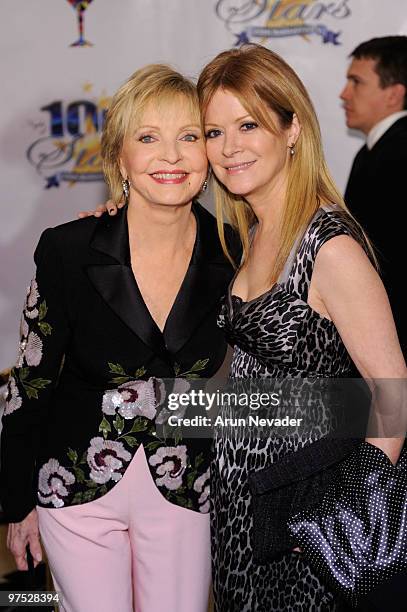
column 126, row 188
column 292, row 149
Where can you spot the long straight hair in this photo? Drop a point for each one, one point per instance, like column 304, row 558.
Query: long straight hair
column 263, row 81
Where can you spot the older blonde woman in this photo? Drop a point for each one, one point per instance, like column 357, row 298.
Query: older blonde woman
column 116, row 304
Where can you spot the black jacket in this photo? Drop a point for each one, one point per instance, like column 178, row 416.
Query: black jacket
column 376, row 195
column 87, row 339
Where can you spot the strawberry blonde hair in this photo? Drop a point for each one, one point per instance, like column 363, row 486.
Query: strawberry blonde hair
column 263, row 81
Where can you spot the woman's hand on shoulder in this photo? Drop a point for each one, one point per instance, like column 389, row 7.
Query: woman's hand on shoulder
column 23, row 533
column 109, row 207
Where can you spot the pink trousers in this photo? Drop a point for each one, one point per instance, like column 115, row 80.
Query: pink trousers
column 130, row 550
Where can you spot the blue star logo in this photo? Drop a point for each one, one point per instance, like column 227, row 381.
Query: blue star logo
column 52, row 181
column 328, row 36
column 242, row 39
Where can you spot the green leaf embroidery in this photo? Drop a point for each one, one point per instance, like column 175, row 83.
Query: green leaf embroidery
column 42, row 311
column 118, row 423
column 131, row 441
column 72, row 455
column 38, row 383
column 31, row 386
column 23, row 373
column 139, row 425
column 119, row 380
column 83, row 458
column 198, row 460
column 89, row 495
column 191, row 479
column 199, row 365
column 103, row 490
column 192, row 372
column 116, row 368
column 45, row 328
column 140, row 372
column 181, row 501
column 151, row 446
column 79, row 474
column 91, row 484
column 77, row 499
column 31, row 392
column 177, row 436
column 105, row 427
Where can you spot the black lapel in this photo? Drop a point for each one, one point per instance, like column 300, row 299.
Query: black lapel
column 114, row 281
column 205, row 282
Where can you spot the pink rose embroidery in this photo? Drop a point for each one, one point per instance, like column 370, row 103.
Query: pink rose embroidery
column 171, row 462
column 106, row 459
column 54, row 482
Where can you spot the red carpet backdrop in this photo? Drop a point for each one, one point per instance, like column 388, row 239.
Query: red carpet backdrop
column 62, row 60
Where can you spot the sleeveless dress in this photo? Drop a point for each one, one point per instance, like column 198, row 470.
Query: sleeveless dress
column 275, row 335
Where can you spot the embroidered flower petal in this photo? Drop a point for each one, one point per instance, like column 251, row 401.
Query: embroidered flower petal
column 106, row 460
column 33, row 294
column 171, row 462
column 31, row 314
column 205, row 508
column 54, row 482
column 134, row 398
column 23, row 327
column 33, row 350
column 13, row 399
column 202, row 486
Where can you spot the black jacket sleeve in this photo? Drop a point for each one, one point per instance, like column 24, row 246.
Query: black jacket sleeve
column 45, row 333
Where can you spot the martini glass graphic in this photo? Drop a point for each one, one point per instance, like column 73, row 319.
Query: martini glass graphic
column 80, row 7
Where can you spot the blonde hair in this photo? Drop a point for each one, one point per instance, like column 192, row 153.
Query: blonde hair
column 155, row 83
column 263, row 81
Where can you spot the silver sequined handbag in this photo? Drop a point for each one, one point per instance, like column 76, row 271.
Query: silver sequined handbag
column 356, row 538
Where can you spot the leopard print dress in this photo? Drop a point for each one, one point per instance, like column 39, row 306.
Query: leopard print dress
column 274, row 335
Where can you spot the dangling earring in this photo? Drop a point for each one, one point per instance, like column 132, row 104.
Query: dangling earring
column 292, row 149
column 206, row 181
column 126, row 188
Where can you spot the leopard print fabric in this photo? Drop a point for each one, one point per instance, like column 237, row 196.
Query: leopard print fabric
column 275, row 335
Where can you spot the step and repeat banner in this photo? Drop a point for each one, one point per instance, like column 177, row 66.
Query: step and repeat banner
column 63, row 59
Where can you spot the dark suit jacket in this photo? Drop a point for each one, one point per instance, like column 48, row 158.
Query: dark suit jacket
column 376, row 195
column 75, row 405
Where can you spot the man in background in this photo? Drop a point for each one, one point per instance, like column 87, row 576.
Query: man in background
column 375, row 102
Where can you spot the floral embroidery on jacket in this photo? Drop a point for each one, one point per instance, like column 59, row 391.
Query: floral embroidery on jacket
column 31, row 348
column 106, row 459
column 129, row 416
column 131, row 399
column 54, row 482
column 13, row 398
column 171, row 462
column 202, row 486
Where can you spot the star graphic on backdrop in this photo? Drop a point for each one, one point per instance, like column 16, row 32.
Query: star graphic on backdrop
column 52, row 181
column 87, row 86
column 242, row 38
column 61, row 145
column 332, row 38
column 328, row 36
